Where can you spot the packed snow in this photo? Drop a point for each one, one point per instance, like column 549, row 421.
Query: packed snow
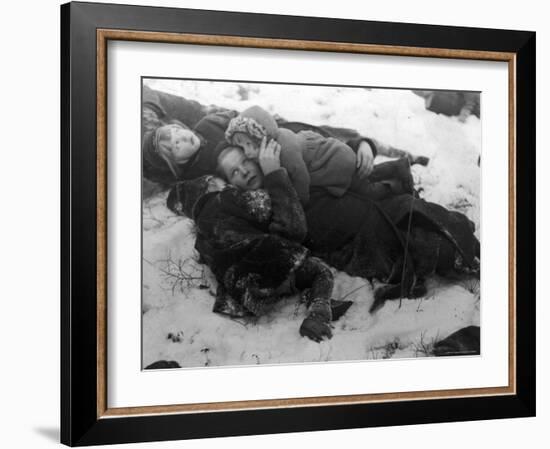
column 178, row 293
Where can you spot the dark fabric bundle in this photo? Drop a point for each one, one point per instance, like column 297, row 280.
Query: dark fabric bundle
column 374, row 240
column 437, row 231
column 250, row 240
column 465, row 341
column 263, row 274
column 357, row 237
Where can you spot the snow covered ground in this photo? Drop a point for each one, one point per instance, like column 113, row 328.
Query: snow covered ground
column 178, row 322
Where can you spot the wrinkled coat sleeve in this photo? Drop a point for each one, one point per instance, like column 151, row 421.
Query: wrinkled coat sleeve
column 354, row 144
column 293, row 160
column 331, row 163
column 288, row 218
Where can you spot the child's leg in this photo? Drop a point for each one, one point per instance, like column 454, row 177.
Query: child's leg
column 399, row 169
column 389, row 151
column 386, row 179
column 316, row 276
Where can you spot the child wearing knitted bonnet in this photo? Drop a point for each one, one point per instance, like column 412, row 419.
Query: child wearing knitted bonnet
column 315, row 161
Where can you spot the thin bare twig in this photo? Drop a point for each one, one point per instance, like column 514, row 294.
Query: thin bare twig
column 406, row 253
column 183, row 274
column 353, row 291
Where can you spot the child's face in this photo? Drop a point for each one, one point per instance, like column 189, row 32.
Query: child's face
column 241, row 171
column 251, row 149
column 183, row 143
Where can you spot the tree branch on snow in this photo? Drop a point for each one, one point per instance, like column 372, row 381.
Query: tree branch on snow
column 423, row 347
column 183, row 274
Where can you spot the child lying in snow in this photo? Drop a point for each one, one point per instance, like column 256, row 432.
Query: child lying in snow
column 312, row 160
column 399, row 241
column 252, row 242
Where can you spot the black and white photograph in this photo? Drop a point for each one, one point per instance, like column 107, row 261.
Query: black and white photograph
column 287, row 223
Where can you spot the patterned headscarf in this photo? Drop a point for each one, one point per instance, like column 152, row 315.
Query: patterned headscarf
column 245, row 125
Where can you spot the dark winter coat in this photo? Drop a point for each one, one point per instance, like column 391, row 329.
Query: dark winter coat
column 369, row 239
column 440, row 240
column 354, row 235
column 250, row 240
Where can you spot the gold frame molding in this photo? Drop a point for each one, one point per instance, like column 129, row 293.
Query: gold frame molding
column 105, row 35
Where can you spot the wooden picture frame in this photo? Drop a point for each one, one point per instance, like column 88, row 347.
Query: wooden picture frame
column 86, row 30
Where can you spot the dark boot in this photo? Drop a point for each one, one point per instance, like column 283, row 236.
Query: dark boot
column 398, row 170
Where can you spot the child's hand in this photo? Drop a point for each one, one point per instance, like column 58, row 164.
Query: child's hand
column 269, row 157
column 365, row 160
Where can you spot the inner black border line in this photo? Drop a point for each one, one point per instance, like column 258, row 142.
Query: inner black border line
column 351, row 86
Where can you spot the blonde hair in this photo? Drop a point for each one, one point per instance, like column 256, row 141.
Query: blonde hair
column 163, row 146
column 223, row 150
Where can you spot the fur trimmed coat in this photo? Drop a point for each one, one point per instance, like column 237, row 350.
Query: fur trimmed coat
column 251, row 240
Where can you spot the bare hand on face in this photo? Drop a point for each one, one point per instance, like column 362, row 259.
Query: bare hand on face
column 365, row 160
column 269, row 156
